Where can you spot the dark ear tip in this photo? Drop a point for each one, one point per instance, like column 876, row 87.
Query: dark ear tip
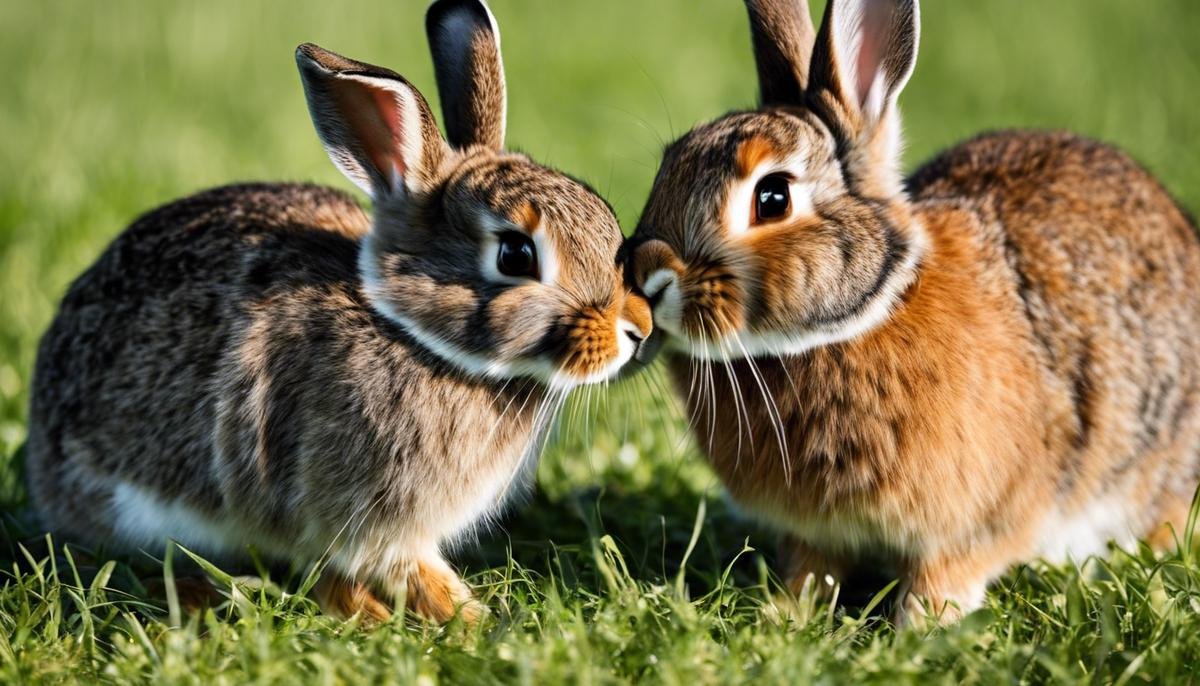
column 310, row 50
column 439, row 9
column 444, row 5
column 310, row 56
column 311, row 53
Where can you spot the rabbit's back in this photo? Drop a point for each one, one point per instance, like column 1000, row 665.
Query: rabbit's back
column 1107, row 269
column 125, row 374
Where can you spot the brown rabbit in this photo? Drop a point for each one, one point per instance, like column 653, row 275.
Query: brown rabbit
column 994, row 360
column 263, row 365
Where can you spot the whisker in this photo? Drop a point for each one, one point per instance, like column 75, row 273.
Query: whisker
column 587, row 422
column 500, row 418
column 772, row 407
column 681, row 408
column 694, row 391
column 557, row 404
column 711, row 399
column 739, row 403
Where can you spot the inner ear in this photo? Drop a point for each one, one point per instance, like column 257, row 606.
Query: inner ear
column 375, row 126
column 373, row 114
column 865, row 54
column 868, row 68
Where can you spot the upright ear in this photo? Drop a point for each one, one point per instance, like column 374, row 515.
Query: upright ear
column 864, row 56
column 465, row 43
column 782, row 33
column 375, row 126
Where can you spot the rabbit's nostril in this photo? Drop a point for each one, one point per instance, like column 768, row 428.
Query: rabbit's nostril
column 656, row 285
column 634, row 336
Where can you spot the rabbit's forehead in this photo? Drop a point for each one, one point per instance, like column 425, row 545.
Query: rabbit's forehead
column 584, row 233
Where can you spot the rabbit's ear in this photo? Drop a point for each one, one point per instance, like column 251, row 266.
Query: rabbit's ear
column 782, row 33
column 864, row 56
column 376, row 127
column 465, row 43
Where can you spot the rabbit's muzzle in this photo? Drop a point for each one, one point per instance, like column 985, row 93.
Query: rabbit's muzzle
column 702, row 301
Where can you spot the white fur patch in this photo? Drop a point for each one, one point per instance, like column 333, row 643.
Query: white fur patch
column 1082, row 534
column 663, row 284
column 143, row 518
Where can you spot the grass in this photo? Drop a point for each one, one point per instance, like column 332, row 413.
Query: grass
column 627, row 565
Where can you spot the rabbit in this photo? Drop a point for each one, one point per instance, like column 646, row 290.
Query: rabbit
column 265, row 365
column 994, row 360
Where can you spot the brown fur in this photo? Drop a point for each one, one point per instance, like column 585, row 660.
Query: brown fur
column 432, row 591
column 1035, row 374
column 261, row 365
column 435, row 591
column 527, row 216
column 474, row 116
column 783, row 35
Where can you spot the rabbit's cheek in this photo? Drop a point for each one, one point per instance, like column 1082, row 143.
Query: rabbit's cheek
column 592, row 345
column 776, row 293
column 713, row 302
column 517, row 320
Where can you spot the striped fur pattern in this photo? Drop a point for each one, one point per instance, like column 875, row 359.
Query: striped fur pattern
column 939, row 377
column 267, row 365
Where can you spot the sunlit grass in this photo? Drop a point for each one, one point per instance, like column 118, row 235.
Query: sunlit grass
column 109, row 109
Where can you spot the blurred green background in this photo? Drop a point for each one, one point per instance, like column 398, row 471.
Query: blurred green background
column 109, row 109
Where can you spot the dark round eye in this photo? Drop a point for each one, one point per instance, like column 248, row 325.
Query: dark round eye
column 517, row 255
column 771, row 198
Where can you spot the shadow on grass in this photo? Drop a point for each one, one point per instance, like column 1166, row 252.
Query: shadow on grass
column 653, row 529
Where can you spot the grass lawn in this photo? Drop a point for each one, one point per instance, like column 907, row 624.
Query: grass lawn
column 627, row 564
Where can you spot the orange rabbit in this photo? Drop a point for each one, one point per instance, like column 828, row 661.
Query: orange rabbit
column 993, row 360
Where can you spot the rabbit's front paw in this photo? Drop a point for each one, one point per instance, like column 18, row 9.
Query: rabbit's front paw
column 345, row 598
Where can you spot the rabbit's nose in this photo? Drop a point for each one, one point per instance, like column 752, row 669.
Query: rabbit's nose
column 657, row 273
column 636, row 319
column 655, row 267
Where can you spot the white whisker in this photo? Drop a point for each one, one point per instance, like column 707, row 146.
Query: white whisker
column 772, row 410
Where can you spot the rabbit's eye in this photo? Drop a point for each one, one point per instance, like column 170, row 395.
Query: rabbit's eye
column 517, row 256
column 772, row 198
